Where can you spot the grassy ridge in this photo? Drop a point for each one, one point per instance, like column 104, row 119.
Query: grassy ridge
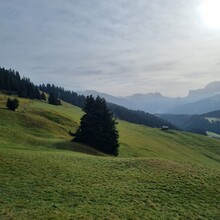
column 158, row 175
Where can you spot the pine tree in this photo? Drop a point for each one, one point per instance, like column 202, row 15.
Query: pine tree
column 98, row 127
column 43, row 97
column 12, row 104
column 53, row 99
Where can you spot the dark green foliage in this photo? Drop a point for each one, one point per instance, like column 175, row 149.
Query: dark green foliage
column 42, row 96
column 138, row 117
column 67, row 96
column 214, row 114
column 11, row 83
column 53, row 99
column 193, row 123
column 98, row 127
column 12, row 104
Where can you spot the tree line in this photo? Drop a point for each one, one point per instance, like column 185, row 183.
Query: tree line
column 12, row 83
column 65, row 95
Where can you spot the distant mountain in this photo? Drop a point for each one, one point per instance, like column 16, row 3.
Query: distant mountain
column 150, row 102
column 159, row 104
column 107, row 97
column 153, row 102
column 199, row 107
column 211, row 89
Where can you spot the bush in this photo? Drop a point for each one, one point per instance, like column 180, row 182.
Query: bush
column 12, row 104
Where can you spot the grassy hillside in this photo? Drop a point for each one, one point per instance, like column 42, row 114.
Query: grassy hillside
column 158, row 175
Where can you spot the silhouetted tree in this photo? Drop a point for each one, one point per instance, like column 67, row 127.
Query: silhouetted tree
column 53, row 99
column 12, row 104
column 98, row 127
column 43, row 97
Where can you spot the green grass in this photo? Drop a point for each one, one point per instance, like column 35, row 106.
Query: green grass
column 158, row 174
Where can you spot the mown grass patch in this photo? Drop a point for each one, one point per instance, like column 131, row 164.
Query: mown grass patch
column 59, row 184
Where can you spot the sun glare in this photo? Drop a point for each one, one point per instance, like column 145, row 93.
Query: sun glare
column 210, row 10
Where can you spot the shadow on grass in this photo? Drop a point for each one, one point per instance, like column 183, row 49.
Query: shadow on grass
column 77, row 147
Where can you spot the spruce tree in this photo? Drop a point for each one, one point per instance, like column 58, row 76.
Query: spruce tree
column 98, row 127
column 53, row 99
column 12, row 104
column 43, row 97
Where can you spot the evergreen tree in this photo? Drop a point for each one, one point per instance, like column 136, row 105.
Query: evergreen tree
column 98, row 127
column 43, row 97
column 12, row 104
column 53, row 99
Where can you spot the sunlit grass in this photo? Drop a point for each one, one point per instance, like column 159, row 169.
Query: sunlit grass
column 158, row 174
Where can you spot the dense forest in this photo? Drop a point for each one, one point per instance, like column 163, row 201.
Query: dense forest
column 193, row 123
column 12, row 83
column 66, row 96
column 138, row 117
column 214, row 114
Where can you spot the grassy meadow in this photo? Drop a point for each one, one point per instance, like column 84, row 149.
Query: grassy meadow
column 158, row 174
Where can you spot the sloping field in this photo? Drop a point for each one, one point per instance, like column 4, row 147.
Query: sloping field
column 158, row 175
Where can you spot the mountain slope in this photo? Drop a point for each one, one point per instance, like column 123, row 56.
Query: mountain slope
column 157, row 103
column 158, row 175
column 38, row 124
column 199, row 107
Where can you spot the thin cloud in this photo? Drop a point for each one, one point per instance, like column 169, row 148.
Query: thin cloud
column 119, row 46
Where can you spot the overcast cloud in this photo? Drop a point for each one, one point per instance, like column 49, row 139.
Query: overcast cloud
column 118, row 47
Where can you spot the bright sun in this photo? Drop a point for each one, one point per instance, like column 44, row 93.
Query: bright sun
column 210, row 10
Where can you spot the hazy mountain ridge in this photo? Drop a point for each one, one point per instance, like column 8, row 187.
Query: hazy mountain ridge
column 199, row 107
column 197, row 102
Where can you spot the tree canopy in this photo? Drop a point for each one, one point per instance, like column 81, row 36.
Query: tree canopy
column 53, row 99
column 98, row 127
column 12, row 83
column 12, row 104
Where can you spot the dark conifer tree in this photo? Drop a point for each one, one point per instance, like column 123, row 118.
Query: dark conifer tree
column 53, row 99
column 98, row 127
column 43, row 97
column 12, row 104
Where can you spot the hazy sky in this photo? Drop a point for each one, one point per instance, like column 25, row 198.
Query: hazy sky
column 117, row 46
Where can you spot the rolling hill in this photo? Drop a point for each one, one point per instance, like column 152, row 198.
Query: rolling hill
column 43, row 175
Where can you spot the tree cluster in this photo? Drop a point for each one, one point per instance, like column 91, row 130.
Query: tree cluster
column 12, row 104
column 98, row 127
column 53, row 99
column 67, row 96
column 12, row 83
